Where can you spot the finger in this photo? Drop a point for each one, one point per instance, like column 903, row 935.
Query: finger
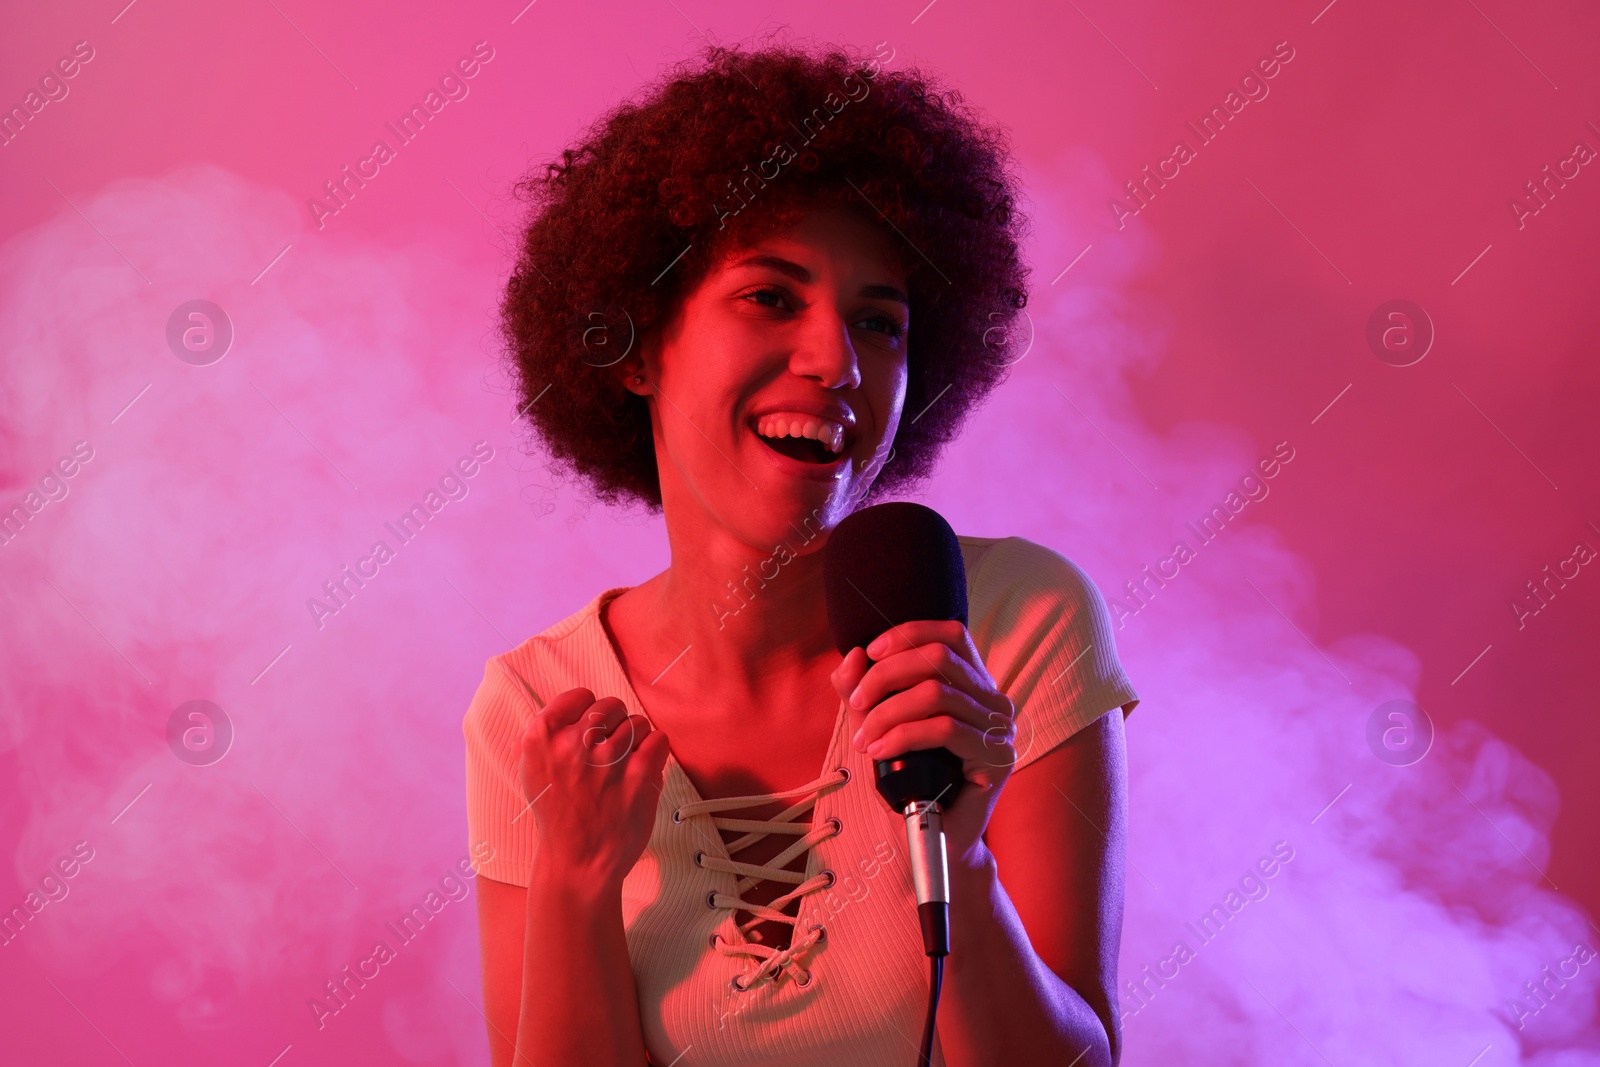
column 619, row 743
column 980, row 760
column 938, row 661
column 927, row 699
column 647, row 762
column 564, row 709
column 921, row 632
column 649, row 756
column 848, row 673
column 587, row 729
column 601, row 720
column 847, row 677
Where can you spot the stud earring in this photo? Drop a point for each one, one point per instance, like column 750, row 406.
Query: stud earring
column 638, row 379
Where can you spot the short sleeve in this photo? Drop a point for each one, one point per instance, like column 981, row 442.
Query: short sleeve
column 1045, row 635
column 500, row 823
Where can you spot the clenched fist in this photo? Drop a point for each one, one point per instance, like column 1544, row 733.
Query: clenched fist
column 592, row 774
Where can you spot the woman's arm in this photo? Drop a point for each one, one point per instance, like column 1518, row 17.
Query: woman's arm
column 1036, row 855
column 556, row 975
column 1036, row 916
column 558, row 985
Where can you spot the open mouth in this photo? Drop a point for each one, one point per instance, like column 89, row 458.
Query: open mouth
column 805, row 449
column 818, row 442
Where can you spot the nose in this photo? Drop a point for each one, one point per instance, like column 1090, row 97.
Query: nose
column 826, row 352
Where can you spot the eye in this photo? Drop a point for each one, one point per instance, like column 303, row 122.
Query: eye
column 892, row 328
column 765, row 290
column 888, row 326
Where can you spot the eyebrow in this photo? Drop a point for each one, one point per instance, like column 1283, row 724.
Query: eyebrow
column 803, row 276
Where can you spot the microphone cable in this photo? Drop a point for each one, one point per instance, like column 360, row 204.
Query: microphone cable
column 935, row 980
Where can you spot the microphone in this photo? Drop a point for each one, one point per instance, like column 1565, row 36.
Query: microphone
column 882, row 566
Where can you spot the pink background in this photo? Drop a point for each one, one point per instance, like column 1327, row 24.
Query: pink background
column 1175, row 352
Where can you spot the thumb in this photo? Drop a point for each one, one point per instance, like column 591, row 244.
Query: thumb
column 845, row 679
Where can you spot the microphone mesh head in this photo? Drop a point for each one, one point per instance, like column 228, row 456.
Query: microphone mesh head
column 888, row 564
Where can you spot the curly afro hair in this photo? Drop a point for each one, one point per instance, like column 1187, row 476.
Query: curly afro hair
column 726, row 146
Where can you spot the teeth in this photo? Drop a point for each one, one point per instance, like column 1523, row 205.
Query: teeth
column 796, row 424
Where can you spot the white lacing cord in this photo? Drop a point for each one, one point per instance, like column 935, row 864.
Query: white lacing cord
column 773, row 961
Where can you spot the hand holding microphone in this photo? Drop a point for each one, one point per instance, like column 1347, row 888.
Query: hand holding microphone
column 976, row 719
column 896, row 584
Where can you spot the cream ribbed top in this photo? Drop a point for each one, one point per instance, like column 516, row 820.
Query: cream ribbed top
column 851, row 989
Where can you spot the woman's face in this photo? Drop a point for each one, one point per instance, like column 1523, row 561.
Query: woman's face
column 800, row 340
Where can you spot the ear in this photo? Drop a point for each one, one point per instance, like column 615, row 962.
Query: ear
column 625, row 371
column 638, row 363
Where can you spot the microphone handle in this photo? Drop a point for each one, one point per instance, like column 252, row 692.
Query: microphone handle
column 920, row 784
column 930, row 873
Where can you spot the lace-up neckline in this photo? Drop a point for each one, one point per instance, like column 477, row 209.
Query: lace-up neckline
column 773, row 961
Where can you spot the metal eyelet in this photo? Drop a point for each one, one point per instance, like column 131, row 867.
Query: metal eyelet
column 714, row 939
column 698, row 856
column 822, row 933
column 677, row 814
column 711, row 900
column 802, row 984
column 846, row 772
column 831, row 879
column 737, row 987
column 838, row 825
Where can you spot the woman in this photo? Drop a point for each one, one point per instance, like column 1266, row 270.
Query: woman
column 761, row 298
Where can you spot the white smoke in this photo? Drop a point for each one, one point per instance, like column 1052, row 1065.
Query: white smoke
column 179, row 564
column 1413, row 914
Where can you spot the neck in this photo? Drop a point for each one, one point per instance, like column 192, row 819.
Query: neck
column 748, row 616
